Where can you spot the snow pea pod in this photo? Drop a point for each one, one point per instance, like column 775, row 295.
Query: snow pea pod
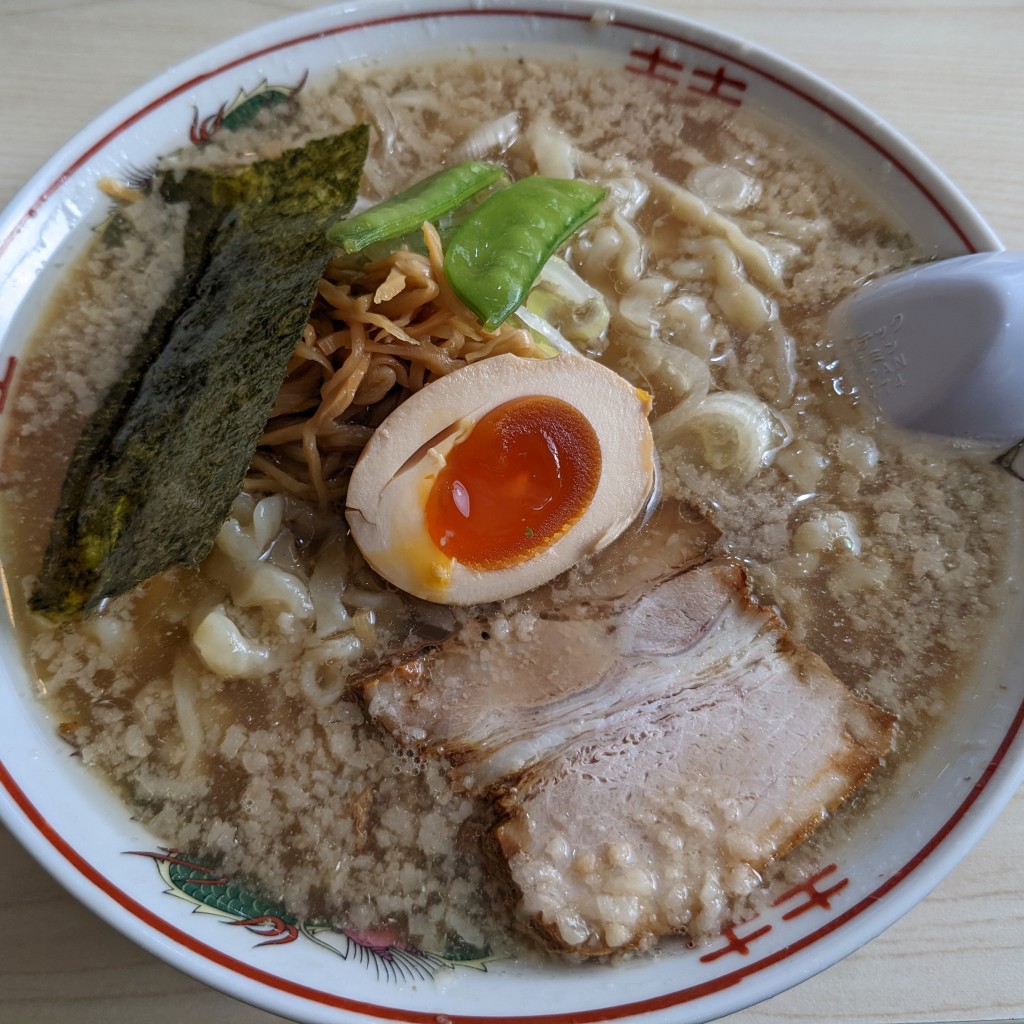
column 426, row 200
column 496, row 253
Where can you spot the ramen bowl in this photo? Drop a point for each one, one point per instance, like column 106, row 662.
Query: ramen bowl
column 937, row 803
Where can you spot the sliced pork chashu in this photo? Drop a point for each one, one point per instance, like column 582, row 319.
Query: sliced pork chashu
column 651, row 754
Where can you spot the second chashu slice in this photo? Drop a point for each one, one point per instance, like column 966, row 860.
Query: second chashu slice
column 650, row 755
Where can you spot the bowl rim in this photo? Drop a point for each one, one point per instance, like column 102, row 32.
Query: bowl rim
column 1000, row 778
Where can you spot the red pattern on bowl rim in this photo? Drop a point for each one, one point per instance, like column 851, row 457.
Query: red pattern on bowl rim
column 807, row 928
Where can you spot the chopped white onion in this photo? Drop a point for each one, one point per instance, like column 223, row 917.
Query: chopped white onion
column 549, row 338
column 492, row 138
column 553, row 151
column 564, row 312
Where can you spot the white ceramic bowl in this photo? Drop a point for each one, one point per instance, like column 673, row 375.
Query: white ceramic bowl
column 942, row 801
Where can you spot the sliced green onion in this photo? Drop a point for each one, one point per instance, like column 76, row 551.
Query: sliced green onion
column 427, row 200
column 549, row 339
column 563, row 299
column 497, row 252
column 739, row 433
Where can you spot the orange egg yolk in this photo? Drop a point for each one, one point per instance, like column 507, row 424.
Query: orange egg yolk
column 525, row 473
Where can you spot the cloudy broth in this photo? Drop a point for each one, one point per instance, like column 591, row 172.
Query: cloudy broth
column 723, row 240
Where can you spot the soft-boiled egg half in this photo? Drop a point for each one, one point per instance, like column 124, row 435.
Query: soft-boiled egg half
column 498, row 477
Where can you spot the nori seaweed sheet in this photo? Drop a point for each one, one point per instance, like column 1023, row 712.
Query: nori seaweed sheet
column 156, row 469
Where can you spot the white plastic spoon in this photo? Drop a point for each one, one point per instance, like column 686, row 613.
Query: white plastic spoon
column 940, row 347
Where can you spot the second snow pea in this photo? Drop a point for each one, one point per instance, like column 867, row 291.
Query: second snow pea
column 496, row 253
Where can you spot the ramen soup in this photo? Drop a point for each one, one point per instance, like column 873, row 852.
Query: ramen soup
column 229, row 703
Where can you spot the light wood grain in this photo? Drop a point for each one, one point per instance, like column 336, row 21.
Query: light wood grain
column 951, row 76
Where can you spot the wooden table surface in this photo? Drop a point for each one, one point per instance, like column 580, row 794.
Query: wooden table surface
column 948, row 74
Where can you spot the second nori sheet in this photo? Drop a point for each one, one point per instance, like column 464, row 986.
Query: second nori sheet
column 157, row 468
